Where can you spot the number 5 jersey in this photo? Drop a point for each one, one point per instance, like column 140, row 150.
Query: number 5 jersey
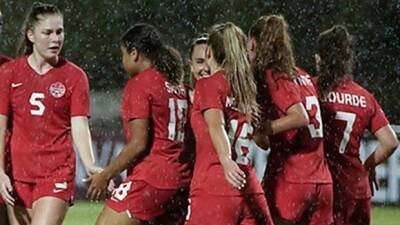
column 40, row 108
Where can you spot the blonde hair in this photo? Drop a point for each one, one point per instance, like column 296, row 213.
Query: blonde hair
column 228, row 44
column 274, row 46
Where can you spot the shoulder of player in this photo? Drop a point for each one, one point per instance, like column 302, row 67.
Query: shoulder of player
column 215, row 80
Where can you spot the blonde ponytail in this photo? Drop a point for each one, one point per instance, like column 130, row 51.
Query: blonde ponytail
column 228, row 43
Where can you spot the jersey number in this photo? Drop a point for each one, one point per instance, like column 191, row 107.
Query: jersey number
column 349, row 118
column 315, row 126
column 122, row 191
column 37, row 104
column 242, row 143
column 177, row 119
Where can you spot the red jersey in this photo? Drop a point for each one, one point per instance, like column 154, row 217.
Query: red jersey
column 40, row 108
column 348, row 111
column 4, row 59
column 214, row 92
column 149, row 96
column 298, row 154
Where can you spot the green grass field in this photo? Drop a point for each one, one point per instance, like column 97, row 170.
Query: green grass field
column 85, row 213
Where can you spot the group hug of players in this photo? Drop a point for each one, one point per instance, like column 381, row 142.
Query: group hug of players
column 246, row 88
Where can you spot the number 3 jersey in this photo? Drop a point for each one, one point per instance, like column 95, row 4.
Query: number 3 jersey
column 148, row 95
column 296, row 155
column 214, row 92
column 40, row 108
column 348, row 111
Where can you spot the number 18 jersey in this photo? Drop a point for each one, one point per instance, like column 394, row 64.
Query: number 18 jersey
column 40, row 108
column 348, row 111
column 148, row 95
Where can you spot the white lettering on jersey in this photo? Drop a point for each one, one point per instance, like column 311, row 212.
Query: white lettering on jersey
column 346, row 99
column 303, row 80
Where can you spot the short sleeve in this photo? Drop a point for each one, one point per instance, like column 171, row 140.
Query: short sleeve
column 209, row 94
column 80, row 102
column 378, row 119
column 284, row 93
column 136, row 101
column 5, row 86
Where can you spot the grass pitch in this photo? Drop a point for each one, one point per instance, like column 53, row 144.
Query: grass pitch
column 85, row 213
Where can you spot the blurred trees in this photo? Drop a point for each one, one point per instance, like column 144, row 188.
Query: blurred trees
column 93, row 29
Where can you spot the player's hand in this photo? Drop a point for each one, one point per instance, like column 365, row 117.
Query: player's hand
column 373, row 180
column 98, row 186
column 6, row 188
column 92, row 169
column 234, row 174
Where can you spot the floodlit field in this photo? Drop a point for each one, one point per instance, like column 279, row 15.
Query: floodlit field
column 85, row 213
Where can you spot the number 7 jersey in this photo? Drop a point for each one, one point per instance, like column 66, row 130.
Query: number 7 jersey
column 348, row 111
column 40, row 108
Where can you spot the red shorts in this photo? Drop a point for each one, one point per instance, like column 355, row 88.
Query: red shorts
column 27, row 193
column 351, row 211
column 301, row 203
column 228, row 210
column 140, row 200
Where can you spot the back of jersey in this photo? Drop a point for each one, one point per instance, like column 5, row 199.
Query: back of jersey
column 347, row 111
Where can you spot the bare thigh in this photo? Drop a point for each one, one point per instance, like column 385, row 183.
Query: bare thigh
column 19, row 215
column 49, row 210
column 110, row 217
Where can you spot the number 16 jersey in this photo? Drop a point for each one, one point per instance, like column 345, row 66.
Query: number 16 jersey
column 40, row 108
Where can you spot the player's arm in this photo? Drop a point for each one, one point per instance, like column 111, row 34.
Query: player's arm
column 216, row 128
column 139, row 128
column 262, row 141
column 387, row 144
column 5, row 183
column 83, row 141
column 296, row 117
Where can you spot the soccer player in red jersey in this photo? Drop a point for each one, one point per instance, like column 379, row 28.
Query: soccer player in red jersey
column 224, row 188
column 348, row 110
column 46, row 99
column 298, row 184
column 197, row 62
column 154, row 111
column 3, row 157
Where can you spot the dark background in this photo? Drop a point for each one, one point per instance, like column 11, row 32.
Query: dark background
column 94, row 27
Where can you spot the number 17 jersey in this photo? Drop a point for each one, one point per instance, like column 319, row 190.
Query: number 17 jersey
column 148, row 95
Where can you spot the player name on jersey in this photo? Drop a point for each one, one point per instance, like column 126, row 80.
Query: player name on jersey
column 346, row 99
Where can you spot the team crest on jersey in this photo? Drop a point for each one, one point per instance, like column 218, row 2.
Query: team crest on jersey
column 57, row 89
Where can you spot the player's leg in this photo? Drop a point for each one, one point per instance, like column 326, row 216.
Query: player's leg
column 19, row 215
column 110, row 217
column 214, row 210
column 256, row 211
column 135, row 201
column 51, row 200
column 289, row 201
column 3, row 213
column 21, row 212
column 322, row 207
column 362, row 212
column 49, row 210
